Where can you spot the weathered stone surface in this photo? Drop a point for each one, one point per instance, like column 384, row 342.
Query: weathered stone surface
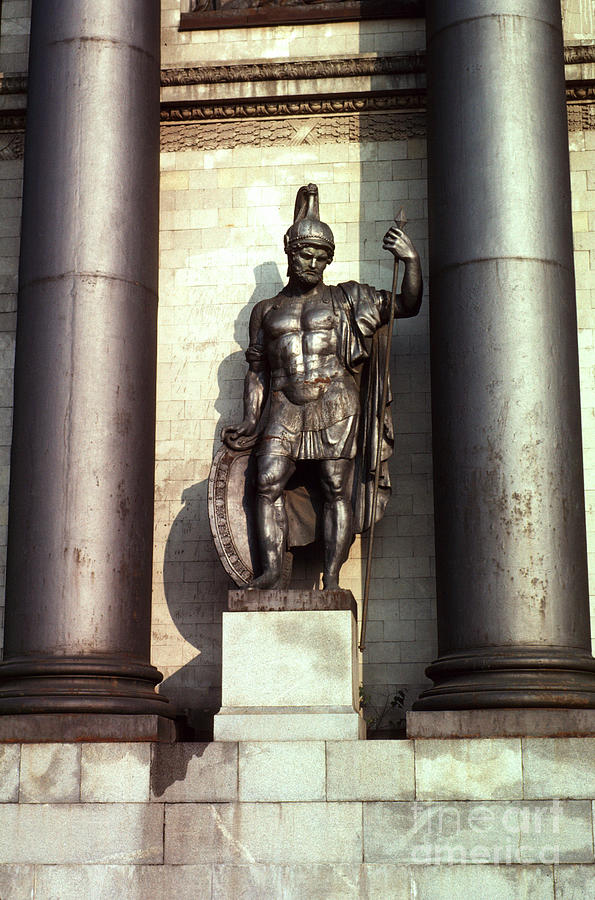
column 474, row 833
column 282, row 770
column 278, row 725
column 246, row 833
column 468, row 769
column 281, row 664
column 10, row 756
column 370, row 770
column 115, row 773
column 387, row 881
column 129, row 882
column 195, row 771
column 50, row 773
column 17, row 882
column 574, row 882
column 71, row 727
column 556, row 831
column 288, row 659
column 394, row 882
column 279, row 600
column 493, row 723
column 493, row 882
column 257, row 882
column 81, row 833
column 559, row 768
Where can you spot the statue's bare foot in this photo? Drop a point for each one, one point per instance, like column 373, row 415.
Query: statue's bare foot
column 330, row 583
column 267, row 580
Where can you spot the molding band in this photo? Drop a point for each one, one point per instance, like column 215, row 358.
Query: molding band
column 404, row 64
column 250, row 109
column 293, row 71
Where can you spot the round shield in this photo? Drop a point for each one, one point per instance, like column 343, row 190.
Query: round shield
column 232, row 513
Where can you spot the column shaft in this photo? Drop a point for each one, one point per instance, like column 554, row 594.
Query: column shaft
column 510, row 534
column 81, row 497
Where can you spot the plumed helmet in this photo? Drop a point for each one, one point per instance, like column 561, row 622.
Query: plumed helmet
column 307, row 227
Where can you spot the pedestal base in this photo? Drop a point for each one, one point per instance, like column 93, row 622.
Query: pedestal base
column 290, row 673
column 297, row 724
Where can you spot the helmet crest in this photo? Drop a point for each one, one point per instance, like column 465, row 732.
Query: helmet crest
column 307, row 229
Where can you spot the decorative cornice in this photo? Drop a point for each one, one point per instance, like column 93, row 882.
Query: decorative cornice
column 581, row 117
column 14, row 83
column 12, row 120
column 580, row 91
column 293, row 71
column 404, row 64
column 12, row 145
column 576, row 54
column 250, row 109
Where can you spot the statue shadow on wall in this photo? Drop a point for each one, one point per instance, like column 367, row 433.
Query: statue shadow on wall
column 194, row 580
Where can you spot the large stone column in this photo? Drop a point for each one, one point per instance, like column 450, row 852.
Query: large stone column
column 81, row 497
column 510, row 535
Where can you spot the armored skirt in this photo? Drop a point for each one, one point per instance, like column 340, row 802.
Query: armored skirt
column 325, row 428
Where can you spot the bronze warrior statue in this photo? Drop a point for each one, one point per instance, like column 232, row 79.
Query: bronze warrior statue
column 312, row 388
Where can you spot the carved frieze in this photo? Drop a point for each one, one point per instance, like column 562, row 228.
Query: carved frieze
column 581, row 117
column 294, row 131
column 12, row 145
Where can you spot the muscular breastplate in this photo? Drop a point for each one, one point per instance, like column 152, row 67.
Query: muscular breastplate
column 302, row 341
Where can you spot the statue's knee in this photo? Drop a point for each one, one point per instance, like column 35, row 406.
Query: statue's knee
column 268, row 486
column 333, row 491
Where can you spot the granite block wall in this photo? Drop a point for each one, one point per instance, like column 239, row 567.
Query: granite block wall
column 347, row 820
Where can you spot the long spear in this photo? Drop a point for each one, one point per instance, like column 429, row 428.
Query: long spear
column 400, row 222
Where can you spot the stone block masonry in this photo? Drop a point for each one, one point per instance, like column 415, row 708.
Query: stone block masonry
column 305, row 820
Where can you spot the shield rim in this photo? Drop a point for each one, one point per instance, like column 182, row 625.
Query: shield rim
column 221, row 529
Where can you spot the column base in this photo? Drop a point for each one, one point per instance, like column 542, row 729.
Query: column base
column 511, row 677
column 68, row 728
column 75, row 685
column 495, row 723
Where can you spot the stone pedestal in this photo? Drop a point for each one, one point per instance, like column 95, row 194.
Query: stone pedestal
column 289, row 667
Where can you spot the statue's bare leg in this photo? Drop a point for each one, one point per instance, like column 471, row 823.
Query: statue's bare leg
column 271, row 518
column 336, row 482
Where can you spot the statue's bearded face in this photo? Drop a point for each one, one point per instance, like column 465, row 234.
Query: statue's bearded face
column 307, row 263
